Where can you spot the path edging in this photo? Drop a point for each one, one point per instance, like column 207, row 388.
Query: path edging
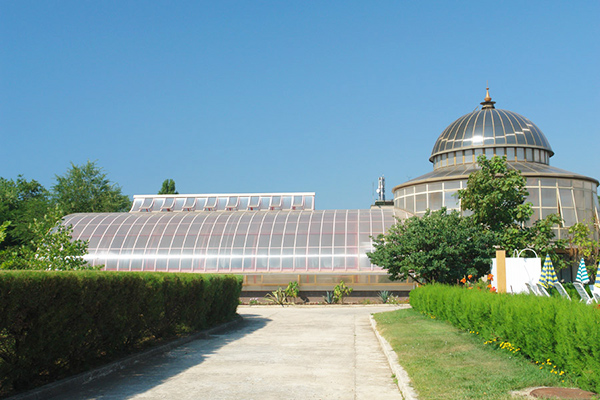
column 401, row 376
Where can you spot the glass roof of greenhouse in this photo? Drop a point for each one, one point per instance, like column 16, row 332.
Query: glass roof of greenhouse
column 223, row 202
column 233, row 241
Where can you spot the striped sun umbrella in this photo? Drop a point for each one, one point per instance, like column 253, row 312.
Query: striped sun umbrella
column 597, row 284
column 582, row 275
column 548, row 277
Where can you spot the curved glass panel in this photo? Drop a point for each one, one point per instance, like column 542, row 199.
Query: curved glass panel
column 223, row 202
column 489, row 128
column 574, row 199
column 237, row 241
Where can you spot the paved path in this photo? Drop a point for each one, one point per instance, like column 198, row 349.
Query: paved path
column 293, row 353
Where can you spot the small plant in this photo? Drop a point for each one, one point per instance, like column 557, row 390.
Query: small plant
column 467, row 282
column 277, row 297
column 384, row 296
column 395, row 300
column 254, row 301
column 329, row 298
column 292, row 290
column 484, row 283
column 365, row 301
column 340, row 291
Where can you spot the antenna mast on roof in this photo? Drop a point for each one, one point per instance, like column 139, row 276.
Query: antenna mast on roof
column 381, row 188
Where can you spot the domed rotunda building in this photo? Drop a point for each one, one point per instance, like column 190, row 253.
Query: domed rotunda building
column 491, row 131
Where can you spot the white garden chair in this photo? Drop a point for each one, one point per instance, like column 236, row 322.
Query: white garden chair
column 541, row 290
column 561, row 290
column 585, row 297
column 532, row 289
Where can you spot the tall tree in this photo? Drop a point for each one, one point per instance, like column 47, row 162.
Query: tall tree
column 86, row 188
column 582, row 244
column 3, row 230
column 496, row 195
column 21, row 202
column 438, row 247
column 51, row 249
column 55, row 250
column 168, row 187
column 442, row 247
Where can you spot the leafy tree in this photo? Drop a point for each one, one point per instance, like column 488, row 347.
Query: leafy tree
column 21, row 202
column 582, row 244
column 86, row 188
column 441, row 247
column 51, row 249
column 3, row 230
column 56, row 251
column 438, row 247
column 539, row 237
column 168, row 187
column 31, row 236
column 496, row 195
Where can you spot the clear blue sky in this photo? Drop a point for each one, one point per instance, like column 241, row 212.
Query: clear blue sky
column 268, row 96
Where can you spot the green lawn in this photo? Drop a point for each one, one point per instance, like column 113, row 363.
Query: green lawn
column 446, row 363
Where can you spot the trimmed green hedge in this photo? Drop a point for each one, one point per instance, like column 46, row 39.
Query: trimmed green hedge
column 53, row 324
column 566, row 332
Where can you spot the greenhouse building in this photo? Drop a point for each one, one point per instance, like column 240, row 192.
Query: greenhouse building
column 275, row 238
column 270, row 239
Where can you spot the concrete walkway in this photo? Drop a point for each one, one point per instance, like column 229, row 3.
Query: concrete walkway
column 293, row 353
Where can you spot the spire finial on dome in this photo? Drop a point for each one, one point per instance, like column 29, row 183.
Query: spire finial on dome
column 487, row 101
column 487, row 94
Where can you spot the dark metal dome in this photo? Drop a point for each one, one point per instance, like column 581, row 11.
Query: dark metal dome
column 490, row 127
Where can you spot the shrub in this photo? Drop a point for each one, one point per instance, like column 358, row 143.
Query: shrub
column 53, row 324
column 384, row 296
column 340, row 291
column 292, row 290
column 277, row 297
column 329, row 298
column 567, row 332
